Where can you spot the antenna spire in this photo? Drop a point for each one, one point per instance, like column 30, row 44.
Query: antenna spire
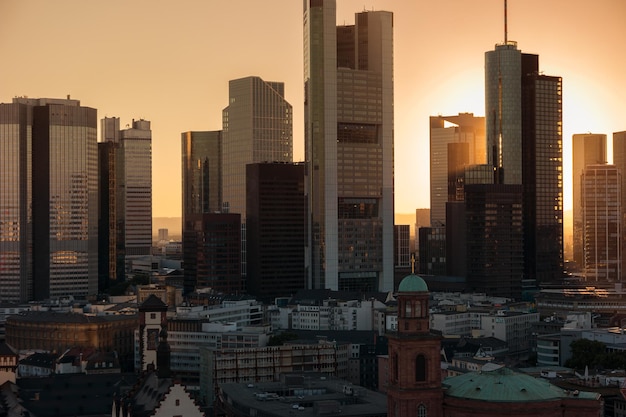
column 506, row 30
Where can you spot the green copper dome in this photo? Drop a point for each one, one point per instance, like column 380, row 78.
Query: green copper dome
column 505, row 385
column 413, row 283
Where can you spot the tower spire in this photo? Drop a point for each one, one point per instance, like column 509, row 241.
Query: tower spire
column 506, row 30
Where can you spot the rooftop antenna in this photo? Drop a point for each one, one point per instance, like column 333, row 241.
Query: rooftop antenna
column 505, row 25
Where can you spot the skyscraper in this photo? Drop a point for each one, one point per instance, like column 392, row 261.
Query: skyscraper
column 542, row 174
column 464, row 130
column 257, row 127
column 202, row 172
column 48, row 198
column 16, row 277
column 503, row 112
column 348, row 75
column 587, row 149
column 125, row 197
column 619, row 160
column 601, row 187
column 275, row 229
column 524, row 146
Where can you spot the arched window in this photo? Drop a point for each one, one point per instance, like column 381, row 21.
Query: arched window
column 418, row 309
column 421, row 411
column 407, row 309
column 420, row 368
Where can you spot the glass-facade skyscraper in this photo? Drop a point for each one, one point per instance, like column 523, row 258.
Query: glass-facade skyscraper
column 202, row 172
column 348, row 73
column 48, row 199
column 257, row 127
column 587, row 149
column 125, row 197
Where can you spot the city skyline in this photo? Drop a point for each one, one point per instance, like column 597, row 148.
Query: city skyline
column 172, row 67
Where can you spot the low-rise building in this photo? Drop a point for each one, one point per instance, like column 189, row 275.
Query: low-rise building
column 300, row 394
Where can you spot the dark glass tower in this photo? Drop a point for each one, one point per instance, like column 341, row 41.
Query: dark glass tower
column 542, row 174
column 65, row 198
column 275, row 210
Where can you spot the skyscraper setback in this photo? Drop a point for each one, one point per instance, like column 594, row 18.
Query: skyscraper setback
column 348, row 75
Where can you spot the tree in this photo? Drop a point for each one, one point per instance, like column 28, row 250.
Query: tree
column 586, row 352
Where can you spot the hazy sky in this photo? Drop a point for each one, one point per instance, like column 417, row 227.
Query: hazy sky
column 170, row 63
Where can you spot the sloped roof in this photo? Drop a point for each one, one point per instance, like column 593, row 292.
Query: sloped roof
column 505, row 385
column 153, row 303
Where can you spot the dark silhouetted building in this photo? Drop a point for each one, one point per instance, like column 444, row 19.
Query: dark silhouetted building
column 276, row 225
column 495, row 263
column 542, row 173
column 212, row 254
column 432, row 250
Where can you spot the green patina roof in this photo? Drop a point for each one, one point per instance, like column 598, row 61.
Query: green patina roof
column 505, row 385
column 412, row 283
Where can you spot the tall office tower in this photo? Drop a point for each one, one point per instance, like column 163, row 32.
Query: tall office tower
column 125, row 216
column 503, row 112
column 202, row 172
column 257, row 127
column 455, row 142
column 50, row 166
column 494, row 231
column 348, row 75
column 136, row 144
column 109, row 264
column 16, row 278
column 212, row 254
column 542, row 174
column 587, row 149
column 524, row 145
column 601, row 187
column 619, row 160
column 276, row 226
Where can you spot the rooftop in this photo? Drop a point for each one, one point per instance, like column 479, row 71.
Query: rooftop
column 505, row 385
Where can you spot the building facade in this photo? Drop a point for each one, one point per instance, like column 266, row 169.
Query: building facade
column 257, row 126
column 348, row 75
column 587, row 149
column 125, row 190
column 49, row 196
column 212, row 252
column 542, row 173
column 619, row 160
column 447, row 165
column 275, row 229
column 601, row 187
column 202, row 172
column 495, row 257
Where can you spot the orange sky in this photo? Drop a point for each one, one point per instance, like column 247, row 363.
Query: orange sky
column 170, row 63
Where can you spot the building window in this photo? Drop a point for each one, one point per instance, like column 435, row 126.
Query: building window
column 395, row 367
column 421, row 411
column 177, row 402
column 420, row 368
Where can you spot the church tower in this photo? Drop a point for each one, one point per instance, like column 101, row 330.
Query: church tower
column 414, row 356
column 152, row 319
